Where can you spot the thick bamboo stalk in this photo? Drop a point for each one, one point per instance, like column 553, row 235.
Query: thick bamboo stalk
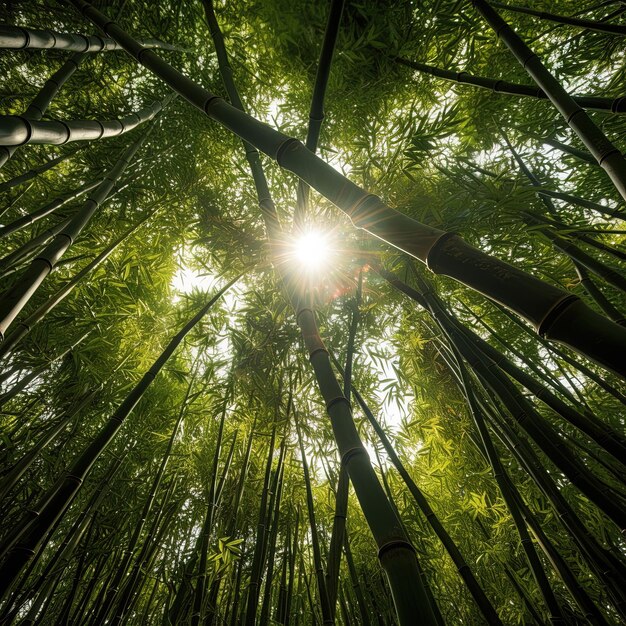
column 600, row 27
column 19, row 38
column 14, row 300
column 605, row 153
column 555, row 313
column 449, row 544
column 617, row 105
column 17, row 130
column 53, row 504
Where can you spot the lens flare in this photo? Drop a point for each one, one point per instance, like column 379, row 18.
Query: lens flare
column 312, row 250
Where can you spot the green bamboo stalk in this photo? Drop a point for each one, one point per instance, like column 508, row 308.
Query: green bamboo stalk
column 609, row 439
column 598, row 297
column 449, row 544
column 316, row 111
column 327, row 617
column 31, row 218
column 605, row 153
column 18, row 130
column 600, row 27
column 555, row 313
column 257, row 562
column 14, row 300
column 54, row 503
column 207, row 527
column 114, row 586
column 356, row 585
column 26, row 325
column 19, row 38
column 597, row 103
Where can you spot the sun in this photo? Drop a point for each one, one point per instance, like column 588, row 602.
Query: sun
column 312, row 250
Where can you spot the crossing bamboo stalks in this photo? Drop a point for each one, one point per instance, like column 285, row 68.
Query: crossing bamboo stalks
column 261, row 537
column 40, row 169
column 39, row 105
column 605, row 153
column 556, row 616
column 114, row 587
column 555, row 313
column 14, row 300
column 16, row 130
column 51, row 207
column 19, row 38
column 602, row 433
column 27, row 324
column 316, row 111
column 600, row 27
column 396, row 554
column 617, row 105
column 449, row 544
column 25, row 543
column 598, row 297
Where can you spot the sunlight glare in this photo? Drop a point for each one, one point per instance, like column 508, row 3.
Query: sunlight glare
column 312, row 250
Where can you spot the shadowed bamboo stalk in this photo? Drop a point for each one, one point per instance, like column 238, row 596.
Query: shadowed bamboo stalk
column 605, row 153
column 504, row 483
column 20, row 38
column 14, row 300
column 450, row 546
column 316, row 111
column 25, row 542
column 555, row 313
column 600, row 27
column 17, row 130
column 617, row 105
column 598, row 297
column 327, row 617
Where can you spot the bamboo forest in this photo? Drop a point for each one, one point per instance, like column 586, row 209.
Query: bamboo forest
column 313, row 312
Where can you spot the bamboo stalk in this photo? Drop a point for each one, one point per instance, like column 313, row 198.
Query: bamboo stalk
column 611, row 29
column 555, row 313
column 616, row 105
column 14, row 300
column 20, row 38
column 18, row 130
column 605, row 153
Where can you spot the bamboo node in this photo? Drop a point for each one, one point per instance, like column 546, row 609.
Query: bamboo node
column 394, row 544
column 337, row 400
column 553, row 312
column 283, row 147
column 346, row 457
